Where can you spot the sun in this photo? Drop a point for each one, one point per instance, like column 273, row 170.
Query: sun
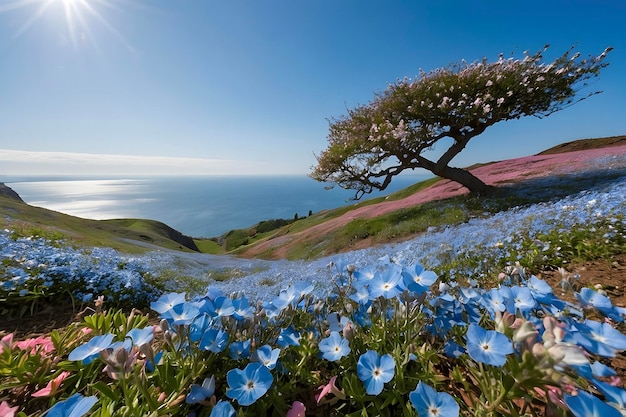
column 81, row 18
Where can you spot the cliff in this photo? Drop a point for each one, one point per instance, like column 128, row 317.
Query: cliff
column 6, row 191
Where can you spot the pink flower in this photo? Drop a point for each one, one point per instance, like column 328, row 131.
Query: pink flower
column 52, row 387
column 332, row 389
column 8, row 411
column 297, row 410
column 41, row 343
column 6, row 341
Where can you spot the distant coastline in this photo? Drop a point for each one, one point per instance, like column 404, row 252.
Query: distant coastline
column 200, row 206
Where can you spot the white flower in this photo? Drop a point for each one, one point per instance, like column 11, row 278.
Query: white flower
column 489, row 83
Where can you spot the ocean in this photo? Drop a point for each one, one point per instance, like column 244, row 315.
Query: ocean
column 196, row 206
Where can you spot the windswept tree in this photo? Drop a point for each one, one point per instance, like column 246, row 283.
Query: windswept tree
column 375, row 142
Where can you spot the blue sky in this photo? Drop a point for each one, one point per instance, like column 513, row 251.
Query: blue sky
column 246, row 87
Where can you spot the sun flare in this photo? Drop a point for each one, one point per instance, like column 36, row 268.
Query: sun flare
column 82, row 19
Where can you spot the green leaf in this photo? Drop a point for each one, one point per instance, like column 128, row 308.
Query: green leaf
column 106, row 390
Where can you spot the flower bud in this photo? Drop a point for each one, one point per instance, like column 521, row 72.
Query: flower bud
column 525, row 333
column 169, row 337
column 318, row 307
column 348, row 331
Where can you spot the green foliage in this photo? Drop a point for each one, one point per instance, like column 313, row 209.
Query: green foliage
column 235, row 239
column 228, row 274
column 35, row 231
column 273, row 224
column 375, row 142
column 208, row 246
column 123, row 235
column 401, row 327
column 396, row 225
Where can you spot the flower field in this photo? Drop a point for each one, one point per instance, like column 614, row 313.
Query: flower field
column 452, row 322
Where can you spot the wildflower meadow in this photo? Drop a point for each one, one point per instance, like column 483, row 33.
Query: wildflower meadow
column 451, row 323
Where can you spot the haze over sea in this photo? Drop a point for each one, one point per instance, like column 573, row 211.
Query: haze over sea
column 197, row 206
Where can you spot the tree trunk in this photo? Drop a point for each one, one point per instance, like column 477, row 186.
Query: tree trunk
column 465, row 178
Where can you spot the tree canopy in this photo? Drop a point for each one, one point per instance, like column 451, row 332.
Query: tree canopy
column 377, row 141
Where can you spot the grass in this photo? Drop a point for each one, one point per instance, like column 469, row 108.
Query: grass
column 208, row 246
column 125, row 235
column 137, row 235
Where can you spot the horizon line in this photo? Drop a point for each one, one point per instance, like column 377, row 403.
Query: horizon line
column 34, row 163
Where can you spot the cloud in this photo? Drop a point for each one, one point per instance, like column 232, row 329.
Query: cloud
column 14, row 162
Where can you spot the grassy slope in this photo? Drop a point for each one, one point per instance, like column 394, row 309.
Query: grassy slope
column 136, row 235
column 117, row 234
column 399, row 225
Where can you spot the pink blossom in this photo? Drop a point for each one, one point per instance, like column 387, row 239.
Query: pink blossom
column 6, row 410
column 332, row 389
column 53, row 386
column 497, row 174
column 297, row 410
column 6, row 341
column 41, row 343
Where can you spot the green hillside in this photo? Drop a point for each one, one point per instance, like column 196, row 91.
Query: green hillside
column 140, row 235
column 127, row 235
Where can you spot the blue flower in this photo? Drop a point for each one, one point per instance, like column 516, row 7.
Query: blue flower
column 386, row 284
column 375, row 370
column 222, row 409
column 248, row 385
column 286, row 297
column 587, row 405
column 267, row 356
column 303, row 288
column 214, row 340
column 429, row 402
column 183, row 313
column 361, row 294
column 523, row 299
column 590, row 298
column 90, row 350
column 167, row 302
column 417, row 279
column 243, row 309
column 199, row 326
column 334, row 347
column 220, row 307
column 150, row 365
column 288, row 337
column 487, row 346
column 600, row 369
column 141, row 336
column 498, row 299
column 240, row 350
column 612, row 394
column 336, row 323
column 199, row 393
column 74, row 406
column 452, row 350
column 599, row 338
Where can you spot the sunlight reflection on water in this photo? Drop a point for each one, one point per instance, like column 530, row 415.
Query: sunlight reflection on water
column 197, row 206
column 93, row 199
